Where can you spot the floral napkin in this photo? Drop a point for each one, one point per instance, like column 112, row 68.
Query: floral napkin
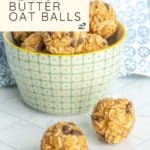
column 135, row 14
column 6, row 78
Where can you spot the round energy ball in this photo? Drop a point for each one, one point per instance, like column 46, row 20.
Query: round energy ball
column 94, row 42
column 65, row 42
column 113, row 119
column 64, row 136
column 19, row 37
column 102, row 19
column 33, row 42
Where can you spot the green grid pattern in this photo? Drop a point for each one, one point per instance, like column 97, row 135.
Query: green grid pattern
column 63, row 85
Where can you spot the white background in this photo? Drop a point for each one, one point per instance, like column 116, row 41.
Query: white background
column 21, row 127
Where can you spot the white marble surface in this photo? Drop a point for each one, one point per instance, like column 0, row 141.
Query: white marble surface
column 21, row 127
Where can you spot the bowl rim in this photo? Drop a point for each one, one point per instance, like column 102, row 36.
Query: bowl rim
column 120, row 41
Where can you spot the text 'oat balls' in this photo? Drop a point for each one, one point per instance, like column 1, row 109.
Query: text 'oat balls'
column 64, row 136
column 113, row 119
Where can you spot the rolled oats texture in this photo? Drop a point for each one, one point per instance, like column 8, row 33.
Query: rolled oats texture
column 66, row 42
column 94, row 42
column 33, row 42
column 61, row 42
column 103, row 19
column 19, row 37
column 113, row 119
column 64, row 136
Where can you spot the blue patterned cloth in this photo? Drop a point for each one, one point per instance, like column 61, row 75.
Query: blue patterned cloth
column 6, row 78
column 135, row 14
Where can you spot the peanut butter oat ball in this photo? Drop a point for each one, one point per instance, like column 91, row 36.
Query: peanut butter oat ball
column 94, row 42
column 113, row 119
column 19, row 37
column 65, row 42
column 64, row 136
column 34, row 42
column 102, row 19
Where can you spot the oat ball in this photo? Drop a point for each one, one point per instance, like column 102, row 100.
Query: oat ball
column 34, row 42
column 64, row 136
column 94, row 42
column 19, row 37
column 65, row 42
column 113, row 119
column 102, row 19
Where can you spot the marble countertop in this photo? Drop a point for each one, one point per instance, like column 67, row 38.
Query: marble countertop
column 21, row 128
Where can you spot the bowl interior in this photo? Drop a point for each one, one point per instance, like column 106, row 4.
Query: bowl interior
column 113, row 41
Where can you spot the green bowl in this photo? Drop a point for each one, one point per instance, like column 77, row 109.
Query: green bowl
column 64, row 84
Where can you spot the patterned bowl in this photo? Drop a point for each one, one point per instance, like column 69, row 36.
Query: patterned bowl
column 64, row 84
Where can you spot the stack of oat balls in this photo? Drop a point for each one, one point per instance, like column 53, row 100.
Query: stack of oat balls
column 103, row 26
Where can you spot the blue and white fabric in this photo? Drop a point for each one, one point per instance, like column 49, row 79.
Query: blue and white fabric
column 6, row 78
column 135, row 14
